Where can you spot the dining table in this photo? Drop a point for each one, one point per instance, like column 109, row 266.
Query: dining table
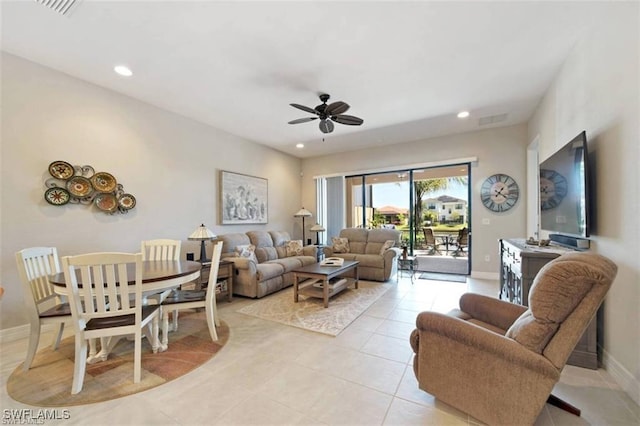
column 157, row 277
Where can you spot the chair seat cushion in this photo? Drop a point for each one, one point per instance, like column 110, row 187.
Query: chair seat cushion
column 183, row 296
column 121, row 320
column 61, row 310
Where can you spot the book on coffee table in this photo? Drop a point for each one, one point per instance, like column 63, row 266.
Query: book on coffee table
column 333, row 282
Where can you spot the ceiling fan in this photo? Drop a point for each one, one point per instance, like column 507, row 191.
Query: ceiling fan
column 328, row 114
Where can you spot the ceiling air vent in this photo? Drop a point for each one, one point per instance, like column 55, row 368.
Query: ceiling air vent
column 61, row 6
column 492, row 119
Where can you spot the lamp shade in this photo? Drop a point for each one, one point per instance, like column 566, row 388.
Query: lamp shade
column 317, row 228
column 303, row 213
column 202, row 233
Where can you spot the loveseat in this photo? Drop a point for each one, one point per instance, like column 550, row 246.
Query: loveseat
column 263, row 260
column 377, row 260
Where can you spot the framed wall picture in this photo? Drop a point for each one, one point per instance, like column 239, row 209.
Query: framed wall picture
column 243, row 199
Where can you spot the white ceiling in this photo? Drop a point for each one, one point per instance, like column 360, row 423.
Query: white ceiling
column 406, row 68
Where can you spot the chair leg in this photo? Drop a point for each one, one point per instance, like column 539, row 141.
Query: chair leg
column 58, row 337
column 137, row 357
column 79, row 365
column 563, row 405
column 210, row 312
column 34, row 338
column 165, row 330
column 174, row 318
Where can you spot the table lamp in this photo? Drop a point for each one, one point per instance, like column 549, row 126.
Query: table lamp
column 303, row 213
column 202, row 234
column 317, row 228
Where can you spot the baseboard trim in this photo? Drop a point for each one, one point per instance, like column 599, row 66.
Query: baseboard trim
column 485, row 275
column 22, row 332
column 623, row 377
column 14, row 333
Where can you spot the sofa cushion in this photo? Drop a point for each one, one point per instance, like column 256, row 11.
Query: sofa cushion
column 266, row 253
column 369, row 260
column 269, row 270
column 248, row 251
column 357, row 238
column 340, row 245
column 279, row 237
column 231, row 241
column 293, row 248
column 260, row 238
column 287, row 263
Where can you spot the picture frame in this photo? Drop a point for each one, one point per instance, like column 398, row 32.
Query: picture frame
column 244, row 199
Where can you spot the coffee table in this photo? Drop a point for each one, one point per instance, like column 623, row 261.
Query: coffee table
column 316, row 273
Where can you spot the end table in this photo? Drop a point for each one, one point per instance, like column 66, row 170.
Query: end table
column 406, row 264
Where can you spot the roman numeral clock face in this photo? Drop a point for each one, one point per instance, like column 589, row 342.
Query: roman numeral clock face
column 499, row 192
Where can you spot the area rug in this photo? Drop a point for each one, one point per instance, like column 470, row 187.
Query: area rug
column 310, row 314
column 48, row 381
column 443, row 277
column 442, row 265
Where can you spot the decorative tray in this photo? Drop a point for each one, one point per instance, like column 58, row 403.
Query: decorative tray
column 57, row 196
column 79, row 186
column 61, row 170
column 103, row 182
column 127, row 201
column 106, row 202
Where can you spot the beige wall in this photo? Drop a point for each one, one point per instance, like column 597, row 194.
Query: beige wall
column 500, row 150
column 598, row 90
column 168, row 162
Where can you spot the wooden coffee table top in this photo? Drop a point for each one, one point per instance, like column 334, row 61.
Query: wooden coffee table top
column 319, row 269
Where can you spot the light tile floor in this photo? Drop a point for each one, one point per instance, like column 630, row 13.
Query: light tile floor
column 272, row 374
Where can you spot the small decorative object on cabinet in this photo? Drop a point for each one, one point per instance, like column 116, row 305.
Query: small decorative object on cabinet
column 519, row 265
column 499, row 192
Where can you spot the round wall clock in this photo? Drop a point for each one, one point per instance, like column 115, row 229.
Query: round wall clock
column 499, row 192
column 553, row 188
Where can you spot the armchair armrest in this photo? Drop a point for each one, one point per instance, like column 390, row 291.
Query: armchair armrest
column 478, row 339
column 496, row 312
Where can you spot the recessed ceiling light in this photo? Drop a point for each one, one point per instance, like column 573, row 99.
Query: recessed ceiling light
column 300, row 145
column 123, row 70
column 463, row 114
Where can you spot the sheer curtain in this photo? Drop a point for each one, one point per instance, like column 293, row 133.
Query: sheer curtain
column 330, row 204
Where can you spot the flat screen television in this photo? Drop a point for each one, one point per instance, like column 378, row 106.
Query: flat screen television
column 564, row 190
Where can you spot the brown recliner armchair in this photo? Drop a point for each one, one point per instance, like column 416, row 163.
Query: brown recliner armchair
column 498, row 361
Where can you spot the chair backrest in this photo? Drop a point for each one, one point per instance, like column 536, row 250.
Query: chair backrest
column 213, row 272
column 463, row 237
column 564, row 297
column 160, row 249
column 429, row 238
column 35, row 264
column 102, row 294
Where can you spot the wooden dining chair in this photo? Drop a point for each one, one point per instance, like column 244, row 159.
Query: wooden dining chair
column 160, row 249
column 103, row 307
column 43, row 305
column 191, row 299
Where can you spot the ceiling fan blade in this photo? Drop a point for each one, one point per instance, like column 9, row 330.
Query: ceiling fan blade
column 304, row 108
column 336, row 108
column 326, row 126
column 349, row 120
column 303, row 120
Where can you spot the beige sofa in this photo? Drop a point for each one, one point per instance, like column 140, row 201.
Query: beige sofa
column 365, row 246
column 272, row 271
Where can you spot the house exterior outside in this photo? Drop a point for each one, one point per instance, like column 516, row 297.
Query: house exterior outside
column 447, row 208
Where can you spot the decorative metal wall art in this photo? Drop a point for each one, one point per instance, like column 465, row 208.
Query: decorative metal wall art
column 82, row 185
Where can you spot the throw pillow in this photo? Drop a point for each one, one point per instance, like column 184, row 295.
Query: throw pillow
column 248, row 251
column 386, row 246
column 340, row 245
column 293, row 247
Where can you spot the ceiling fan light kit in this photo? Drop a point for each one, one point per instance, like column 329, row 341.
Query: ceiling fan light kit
column 328, row 114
